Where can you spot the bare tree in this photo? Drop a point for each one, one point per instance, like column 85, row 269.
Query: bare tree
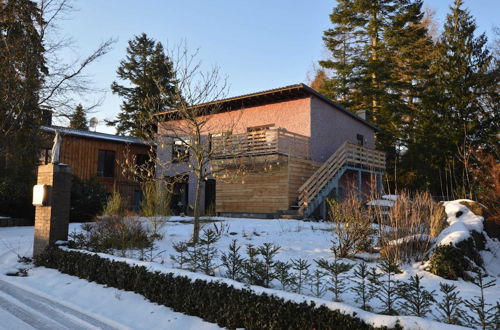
column 188, row 138
column 65, row 78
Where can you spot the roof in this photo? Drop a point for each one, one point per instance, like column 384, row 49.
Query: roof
column 94, row 135
column 276, row 95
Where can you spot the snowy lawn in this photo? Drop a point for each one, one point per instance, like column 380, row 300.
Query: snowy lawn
column 296, row 239
column 120, row 309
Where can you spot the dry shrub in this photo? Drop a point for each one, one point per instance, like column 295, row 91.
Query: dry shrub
column 352, row 226
column 114, row 206
column 405, row 228
column 438, row 220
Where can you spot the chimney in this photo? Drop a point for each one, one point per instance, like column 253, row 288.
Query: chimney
column 47, row 117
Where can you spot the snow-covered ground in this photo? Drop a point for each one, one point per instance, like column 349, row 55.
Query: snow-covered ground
column 55, row 299
column 297, row 239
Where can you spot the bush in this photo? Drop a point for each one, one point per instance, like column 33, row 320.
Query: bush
column 88, row 198
column 212, row 301
column 114, row 205
column 352, row 226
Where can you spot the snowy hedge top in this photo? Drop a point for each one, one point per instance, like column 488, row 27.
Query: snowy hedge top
column 461, row 222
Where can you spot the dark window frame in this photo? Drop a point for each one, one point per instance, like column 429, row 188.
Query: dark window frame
column 180, row 151
column 106, row 160
column 360, row 139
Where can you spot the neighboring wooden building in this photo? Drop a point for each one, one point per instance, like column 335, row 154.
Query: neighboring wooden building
column 299, row 147
column 99, row 155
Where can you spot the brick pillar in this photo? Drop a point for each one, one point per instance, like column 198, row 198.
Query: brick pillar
column 51, row 221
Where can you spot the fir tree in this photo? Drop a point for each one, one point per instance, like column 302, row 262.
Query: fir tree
column 301, row 276
column 182, row 256
column 318, row 287
column 415, row 300
column 388, row 291
column 208, row 253
column 233, row 262
column 283, row 274
column 335, row 270
column 362, row 286
column 484, row 315
column 79, row 119
column 449, row 307
column 152, row 80
column 268, row 251
column 253, row 267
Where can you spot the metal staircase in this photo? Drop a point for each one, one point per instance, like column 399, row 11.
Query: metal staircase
column 349, row 156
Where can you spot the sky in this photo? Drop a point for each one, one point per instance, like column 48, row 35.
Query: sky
column 257, row 45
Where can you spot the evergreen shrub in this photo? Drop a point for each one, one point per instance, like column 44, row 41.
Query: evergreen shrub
column 212, row 301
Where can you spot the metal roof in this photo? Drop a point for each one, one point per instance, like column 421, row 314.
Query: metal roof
column 94, row 135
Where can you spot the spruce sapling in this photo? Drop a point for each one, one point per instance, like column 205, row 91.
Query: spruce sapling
column 301, row 276
column 388, row 293
column 318, row 287
column 253, row 266
column 233, row 262
column 362, row 286
column 268, row 251
column 415, row 300
column 449, row 307
column 283, row 274
column 336, row 272
column 373, row 281
column 182, row 257
column 208, row 251
column 484, row 314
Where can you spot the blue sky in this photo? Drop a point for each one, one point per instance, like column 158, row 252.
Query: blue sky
column 258, row 44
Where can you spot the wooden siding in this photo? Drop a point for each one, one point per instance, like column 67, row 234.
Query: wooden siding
column 82, row 155
column 270, row 186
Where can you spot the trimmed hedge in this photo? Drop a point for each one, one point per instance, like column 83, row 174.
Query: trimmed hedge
column 212, row 301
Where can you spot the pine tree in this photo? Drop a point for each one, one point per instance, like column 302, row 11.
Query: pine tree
column 453, row 109
column 79, row 119
column 302, row 275
column 268, row 251
column 233, row 262
column 484, row 315
column 449, row 307
column 388, row 291
column 153, row 86
column 362, row 286
column 415, row 300
column 283, row 274
column 336, row 272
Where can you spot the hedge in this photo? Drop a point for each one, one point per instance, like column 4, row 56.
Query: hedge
column 212, row 301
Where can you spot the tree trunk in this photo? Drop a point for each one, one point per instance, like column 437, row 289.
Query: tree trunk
column 197, row 211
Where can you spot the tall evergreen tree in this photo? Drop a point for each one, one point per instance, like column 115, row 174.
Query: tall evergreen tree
column 454, row 115
column 373, row 64
column 151, row 78
column 79, row 119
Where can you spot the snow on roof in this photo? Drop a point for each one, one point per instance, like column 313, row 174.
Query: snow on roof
column 461, row 222
column 94, row 135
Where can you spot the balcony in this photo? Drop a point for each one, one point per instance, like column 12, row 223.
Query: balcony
column 260, row 142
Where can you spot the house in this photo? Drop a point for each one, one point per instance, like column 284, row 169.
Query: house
column 299, row 147
column 99, row 155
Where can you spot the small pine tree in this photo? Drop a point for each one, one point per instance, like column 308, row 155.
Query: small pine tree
column 415, row 300
column 283, row 274
column 79, row 119
column 362, row 286
column 268, row 251
column 233, row 262
column 208, row 252
column 373, row 281
column 449, row 307
column 336, row 271
column 253, row 266
column 388, row 293
column 301, row 276
column 318, row 287
column 485, row 316
column 182, row 257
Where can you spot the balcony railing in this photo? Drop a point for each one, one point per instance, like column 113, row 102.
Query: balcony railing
column 261, row 142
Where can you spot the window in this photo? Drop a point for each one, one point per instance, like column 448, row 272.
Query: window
column 106, row 164
column 180, row 151
column 361, row 139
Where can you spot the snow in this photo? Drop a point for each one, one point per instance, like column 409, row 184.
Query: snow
column 119, row 309
column 380, row 202
column 461, row 222
column 297, row 239
column 390, row 197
